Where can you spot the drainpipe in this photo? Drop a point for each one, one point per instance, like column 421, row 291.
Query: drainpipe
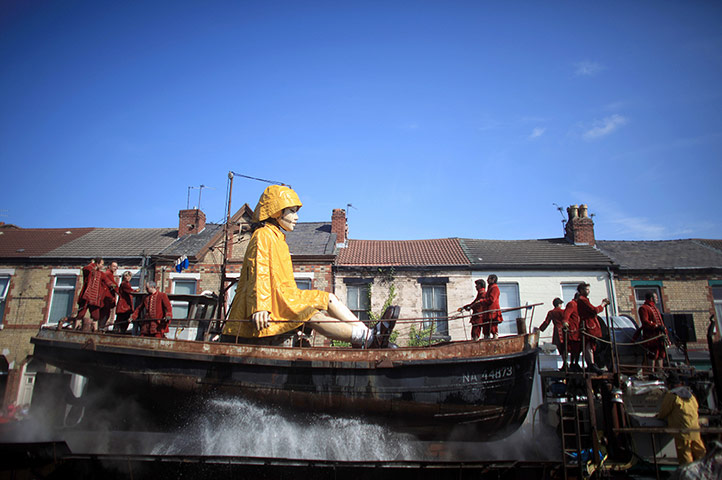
column 613, row 298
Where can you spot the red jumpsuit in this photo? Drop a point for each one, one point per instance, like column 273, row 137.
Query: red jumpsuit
column 109, row 288
column 556, row 317
column 82, row 303
column 476, row 309
column 124, row 308
column 157, row 315
column 571, row 316
column 588, row 319
column 93, row 293
column 652, row 326
column 491, row 320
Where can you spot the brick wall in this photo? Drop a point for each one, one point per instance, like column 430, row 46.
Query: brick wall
column 680, row 294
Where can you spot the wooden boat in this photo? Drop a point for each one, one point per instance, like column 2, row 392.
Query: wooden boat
column 465, row 389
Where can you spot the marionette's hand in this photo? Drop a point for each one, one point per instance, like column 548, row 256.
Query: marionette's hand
column 565, row 326
column 605, row 302
column 461, row 309
column 261, row 319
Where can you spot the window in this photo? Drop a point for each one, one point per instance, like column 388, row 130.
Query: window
column 641, row 290
column 183, row 286
column 433, row 308
column 568, row 291
column 304, row 283
column 509, row 298
column 4, row 286
column 717, row 295
column 357, row 299
column 61, row 302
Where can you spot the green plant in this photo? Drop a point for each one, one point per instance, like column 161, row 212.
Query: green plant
column 421, row 338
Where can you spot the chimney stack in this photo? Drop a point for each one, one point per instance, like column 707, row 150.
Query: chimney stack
column 580, row 227
column 190, row 222
column 339, row 225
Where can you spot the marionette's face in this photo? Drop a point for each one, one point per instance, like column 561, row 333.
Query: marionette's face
column 113, row 267
column 654, row 298
column 288, row 218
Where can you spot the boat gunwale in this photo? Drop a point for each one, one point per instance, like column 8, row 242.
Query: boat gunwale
column 314, row 357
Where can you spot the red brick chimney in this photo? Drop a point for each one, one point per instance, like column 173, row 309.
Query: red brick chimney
column 339, row 225
column 191, row 221
column 580, row 227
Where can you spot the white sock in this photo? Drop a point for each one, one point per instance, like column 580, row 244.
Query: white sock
column 359, row 334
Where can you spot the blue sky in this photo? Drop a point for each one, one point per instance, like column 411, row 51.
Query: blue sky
column 433, row 119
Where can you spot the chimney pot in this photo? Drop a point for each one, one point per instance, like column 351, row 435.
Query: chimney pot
column 582, row 211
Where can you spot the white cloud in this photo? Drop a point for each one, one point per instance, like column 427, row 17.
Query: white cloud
column 604, row 127
column 587, row 68
column 537, row 132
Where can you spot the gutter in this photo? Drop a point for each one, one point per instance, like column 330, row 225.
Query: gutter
column 613, row 294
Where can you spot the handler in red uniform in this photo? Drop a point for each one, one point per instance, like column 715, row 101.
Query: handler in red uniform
column 157, row 312
column 491, row 318
column 110, row 287
column 574, row 339
column 590, row 324
column 94, row 264
column 653, row 326
column 476, row 309
column 556, row 317
column 94, row 293
column 125, row 304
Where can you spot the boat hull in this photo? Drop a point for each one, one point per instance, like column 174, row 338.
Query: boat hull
column 478, row 390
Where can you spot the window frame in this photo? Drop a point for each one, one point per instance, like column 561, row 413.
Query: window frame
column 5, row 274
column 182, row 277
column 439, row 313
column 56, row 274
column 508, row 326
column 362, row 294
column 640, row 289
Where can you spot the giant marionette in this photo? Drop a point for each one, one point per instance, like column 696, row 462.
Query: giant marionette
column 267, row 293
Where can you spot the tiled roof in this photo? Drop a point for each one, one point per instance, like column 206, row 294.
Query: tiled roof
column 117, row 242
column 33, row 242
column 555, row 252
column 716, row 244
column 190, row 245
column 444, row 251
column 311, row 238
column 666, row 254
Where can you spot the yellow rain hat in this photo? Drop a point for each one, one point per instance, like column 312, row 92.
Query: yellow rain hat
column 273, row 200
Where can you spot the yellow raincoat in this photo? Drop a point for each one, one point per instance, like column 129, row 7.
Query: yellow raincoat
column 267, row 281
column 679, row 407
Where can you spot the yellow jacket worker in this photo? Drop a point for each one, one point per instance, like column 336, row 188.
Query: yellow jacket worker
column 267, row 293
column 679, row 407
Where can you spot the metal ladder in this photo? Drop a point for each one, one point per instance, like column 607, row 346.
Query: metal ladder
column 576, row 436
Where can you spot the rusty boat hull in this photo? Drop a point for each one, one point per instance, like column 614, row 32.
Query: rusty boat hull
column 479, row 390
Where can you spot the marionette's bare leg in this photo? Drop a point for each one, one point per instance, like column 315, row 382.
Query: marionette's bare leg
column 340, row 323
column 331, row 327
column 337, row 309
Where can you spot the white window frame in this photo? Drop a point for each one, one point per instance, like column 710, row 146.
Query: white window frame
column 571, row 286
column 639, row 302
column 363, row 289
column 441, row 319
column 5, row 273
column 175, row 277
column 508, row 326
column 57, row 273
column 717, row 307
column 304, row 276
column 230, row 295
